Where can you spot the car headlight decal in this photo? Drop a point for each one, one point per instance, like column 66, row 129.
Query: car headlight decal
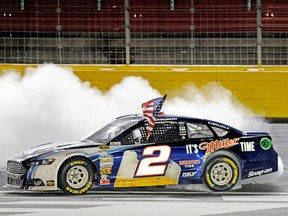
column 41, row 162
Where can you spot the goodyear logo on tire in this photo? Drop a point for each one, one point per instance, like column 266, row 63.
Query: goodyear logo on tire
column 77, row 163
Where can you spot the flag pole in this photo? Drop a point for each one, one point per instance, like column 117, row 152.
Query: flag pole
column 148, row 136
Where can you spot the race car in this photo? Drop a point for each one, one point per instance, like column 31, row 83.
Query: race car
column 179, row 150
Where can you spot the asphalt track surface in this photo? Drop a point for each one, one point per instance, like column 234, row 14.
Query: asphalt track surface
column 259, row 199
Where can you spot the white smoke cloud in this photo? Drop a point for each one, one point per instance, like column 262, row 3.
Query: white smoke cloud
column 50, row 103
column 213, row 101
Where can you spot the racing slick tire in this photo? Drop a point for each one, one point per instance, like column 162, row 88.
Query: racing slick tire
column 75, row 176
column 221, row 174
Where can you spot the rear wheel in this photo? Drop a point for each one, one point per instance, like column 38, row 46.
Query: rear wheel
column 75, row 176
column 221, row 174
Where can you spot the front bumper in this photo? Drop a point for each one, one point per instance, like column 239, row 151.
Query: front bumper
column 32, row 178
column 16, row 181
column 16, row 174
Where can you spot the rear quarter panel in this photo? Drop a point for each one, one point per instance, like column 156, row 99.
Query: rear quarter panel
column 255, row 161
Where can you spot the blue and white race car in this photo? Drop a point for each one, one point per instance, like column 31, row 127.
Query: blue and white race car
column 180, row 150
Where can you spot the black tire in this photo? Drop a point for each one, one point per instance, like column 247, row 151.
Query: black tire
column 221, row 174
column 75, row 176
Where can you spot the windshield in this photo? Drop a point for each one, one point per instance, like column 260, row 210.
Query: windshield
column 110, row 131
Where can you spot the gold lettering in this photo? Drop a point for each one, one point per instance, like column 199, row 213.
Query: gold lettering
column 76, row 162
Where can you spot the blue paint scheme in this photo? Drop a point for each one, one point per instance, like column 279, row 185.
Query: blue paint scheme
column 31, row 170
column 250, row 161
column 191, row 161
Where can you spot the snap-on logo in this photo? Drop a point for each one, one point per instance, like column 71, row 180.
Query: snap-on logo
column 259, row 173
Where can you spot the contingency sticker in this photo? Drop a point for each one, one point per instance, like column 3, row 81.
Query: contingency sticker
column 106, row 164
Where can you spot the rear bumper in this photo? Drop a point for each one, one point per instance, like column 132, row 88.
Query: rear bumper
column 265, row 178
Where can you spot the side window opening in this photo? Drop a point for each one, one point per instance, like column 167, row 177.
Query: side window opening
column 164, row 132
column 137, row 136
column 128, row 139
column 196, row 130
column 220, row 131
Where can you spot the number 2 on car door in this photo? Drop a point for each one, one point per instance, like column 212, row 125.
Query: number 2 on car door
column 153, row 165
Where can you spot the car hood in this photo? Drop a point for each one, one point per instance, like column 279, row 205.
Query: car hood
column 51, row 147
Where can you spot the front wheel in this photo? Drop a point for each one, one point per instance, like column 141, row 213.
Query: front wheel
column 75, row 176
column 221, row 174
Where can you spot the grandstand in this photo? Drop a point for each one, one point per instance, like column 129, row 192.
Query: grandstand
column 173, row 32
column 239, row 44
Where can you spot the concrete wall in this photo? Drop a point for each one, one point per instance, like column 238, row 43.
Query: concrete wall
column 264, row 89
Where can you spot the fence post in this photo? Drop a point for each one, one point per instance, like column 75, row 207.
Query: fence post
column 127, row 31
column 259, row 33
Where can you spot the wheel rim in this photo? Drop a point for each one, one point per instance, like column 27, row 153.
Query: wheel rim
column 221, row 174
column 77, row 176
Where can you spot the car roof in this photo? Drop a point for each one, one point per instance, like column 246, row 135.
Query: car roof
column 171, row 117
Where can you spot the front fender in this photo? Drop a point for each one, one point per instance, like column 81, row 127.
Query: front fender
column 48, row 174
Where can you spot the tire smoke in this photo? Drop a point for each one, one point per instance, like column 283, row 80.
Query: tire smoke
column 50, row 103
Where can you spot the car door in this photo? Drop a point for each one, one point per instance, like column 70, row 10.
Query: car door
column 146, row 161
column 186, row 152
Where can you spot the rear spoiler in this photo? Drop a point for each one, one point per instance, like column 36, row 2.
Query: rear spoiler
column 258, row 133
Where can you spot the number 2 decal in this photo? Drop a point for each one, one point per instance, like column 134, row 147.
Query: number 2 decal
column 151, row 165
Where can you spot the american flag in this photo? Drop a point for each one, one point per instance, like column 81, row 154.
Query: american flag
column 151, row 110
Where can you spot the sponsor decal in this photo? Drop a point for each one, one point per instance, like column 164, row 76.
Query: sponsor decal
column 189, row 162
column 104, row 181
column 166, row 119
column 189, row 166
column 265, row 143
column 76, row 152
column 105, row 170
column 104, row 176
column 106, row 161
column 50, row 182
column 188, row 174
column 106, row 158
column 259, row 173
column 104, row 166
column 191, row 149
column 247, row 146
column 218, row 125
column 215, row 145
column 103, row 147
column 182, row 130
column 115, row 144
column 103, row 154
